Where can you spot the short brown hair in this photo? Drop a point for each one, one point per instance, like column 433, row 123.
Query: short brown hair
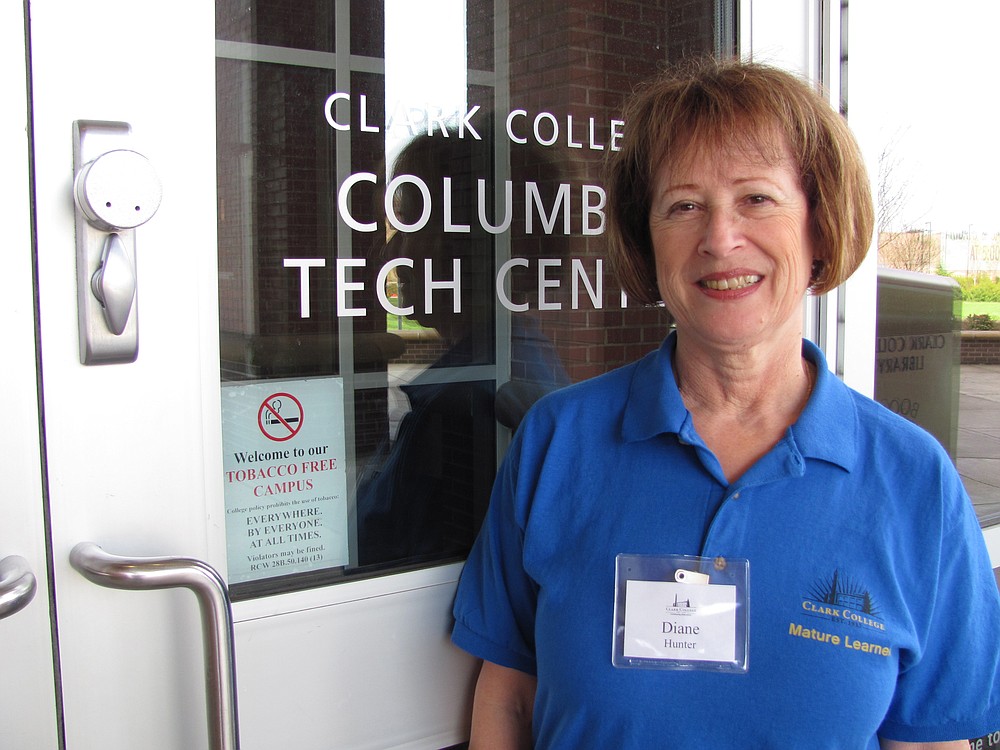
column 746, row 105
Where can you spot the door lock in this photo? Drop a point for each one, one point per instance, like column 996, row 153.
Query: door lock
column 115, row 190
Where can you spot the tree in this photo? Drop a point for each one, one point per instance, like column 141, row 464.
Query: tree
column 911, row 250
column 892, row 189
column 899, row 245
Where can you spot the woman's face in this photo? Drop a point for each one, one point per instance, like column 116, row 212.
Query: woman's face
column 730, row 233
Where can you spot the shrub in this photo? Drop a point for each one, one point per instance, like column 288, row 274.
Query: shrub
column 985, row 290
column 979, row 323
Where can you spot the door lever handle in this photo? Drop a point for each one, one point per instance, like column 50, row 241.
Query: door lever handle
column 114, row 284
column 17, row 585
column 147, row 573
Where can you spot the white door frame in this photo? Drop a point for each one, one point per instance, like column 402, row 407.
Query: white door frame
column 27, row 690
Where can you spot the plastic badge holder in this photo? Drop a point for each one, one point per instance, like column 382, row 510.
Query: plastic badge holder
column 681, row 612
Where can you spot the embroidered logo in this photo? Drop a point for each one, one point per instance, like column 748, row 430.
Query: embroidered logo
column 841, row 601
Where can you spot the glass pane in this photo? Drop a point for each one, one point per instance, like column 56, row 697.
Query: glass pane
column 411, row 254
column 275, row 165
column 304, row 24
column 938, row 347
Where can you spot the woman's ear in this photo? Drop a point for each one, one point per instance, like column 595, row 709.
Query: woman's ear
column 817, row 271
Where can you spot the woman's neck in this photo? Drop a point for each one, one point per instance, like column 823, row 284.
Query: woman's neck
column 720, row 379
column 743, row 400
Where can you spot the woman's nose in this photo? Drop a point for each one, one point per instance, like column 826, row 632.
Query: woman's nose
column 722, row 233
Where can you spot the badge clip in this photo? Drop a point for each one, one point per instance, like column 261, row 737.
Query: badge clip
column 690, row 576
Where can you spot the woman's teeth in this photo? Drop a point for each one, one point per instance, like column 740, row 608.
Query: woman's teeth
column 737, row 282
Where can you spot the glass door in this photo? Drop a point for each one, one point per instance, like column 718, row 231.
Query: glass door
column 410, row 254
column 379, row 242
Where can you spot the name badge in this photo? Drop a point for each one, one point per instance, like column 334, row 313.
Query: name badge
column 681, row 612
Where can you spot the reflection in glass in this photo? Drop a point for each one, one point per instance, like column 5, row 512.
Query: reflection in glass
column 937, row 216
column 503, row 120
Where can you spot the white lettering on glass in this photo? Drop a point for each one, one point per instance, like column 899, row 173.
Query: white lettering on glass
column 533, row 198
column 589, row 209
column 304, row 264
column 546, row 283
column 344, row 286
column 502, row 275
column 454, row 284
column 344, row 205
column 383, row 276
column 579, row 274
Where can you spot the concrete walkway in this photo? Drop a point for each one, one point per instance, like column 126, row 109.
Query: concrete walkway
column 978, row 451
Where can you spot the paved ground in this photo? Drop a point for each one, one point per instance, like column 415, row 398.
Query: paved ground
column 978, row 456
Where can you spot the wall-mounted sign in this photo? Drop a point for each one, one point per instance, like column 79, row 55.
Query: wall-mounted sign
column 284, row 471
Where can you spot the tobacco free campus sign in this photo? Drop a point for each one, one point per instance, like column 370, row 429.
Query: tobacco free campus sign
column 284, row 476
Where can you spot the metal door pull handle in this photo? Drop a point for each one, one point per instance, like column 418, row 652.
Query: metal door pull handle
column 143, row 573
column 17, row 585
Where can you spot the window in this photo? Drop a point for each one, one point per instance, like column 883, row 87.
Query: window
column 411, row 253
column 922, row 115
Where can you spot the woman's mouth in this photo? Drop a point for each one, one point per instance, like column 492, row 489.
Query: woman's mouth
column 734, row 282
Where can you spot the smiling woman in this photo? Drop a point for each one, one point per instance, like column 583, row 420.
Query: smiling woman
column 734, row 177
column 731, row 243
column 736, row 190
column 834, row 179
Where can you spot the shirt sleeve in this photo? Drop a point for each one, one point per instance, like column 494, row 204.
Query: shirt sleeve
column 495, row 605
column 949, row 687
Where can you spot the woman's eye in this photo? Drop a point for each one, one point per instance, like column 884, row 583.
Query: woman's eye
column 682, row 207
column 758, row 199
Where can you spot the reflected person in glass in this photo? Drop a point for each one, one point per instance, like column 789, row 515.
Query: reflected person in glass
column 424, row 493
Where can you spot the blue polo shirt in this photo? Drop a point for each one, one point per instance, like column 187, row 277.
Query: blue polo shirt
column 856, row 525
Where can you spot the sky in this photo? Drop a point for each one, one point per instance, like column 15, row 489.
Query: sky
column 923, row 81
column 409, row 57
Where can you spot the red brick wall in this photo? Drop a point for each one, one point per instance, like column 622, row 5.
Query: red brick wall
column 981, row 347
column 582, row 58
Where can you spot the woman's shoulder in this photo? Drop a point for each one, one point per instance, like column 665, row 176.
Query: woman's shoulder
column 899, row 449
column 879, row 421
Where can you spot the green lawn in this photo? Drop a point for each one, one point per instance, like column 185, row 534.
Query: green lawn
column 981, row 308
column 398, row 323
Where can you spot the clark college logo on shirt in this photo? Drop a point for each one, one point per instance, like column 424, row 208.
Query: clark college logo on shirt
column 835, row 602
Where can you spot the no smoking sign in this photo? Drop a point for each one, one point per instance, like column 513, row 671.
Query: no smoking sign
column 280, row 417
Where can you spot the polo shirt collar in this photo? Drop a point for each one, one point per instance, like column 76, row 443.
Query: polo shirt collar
column 826, row 429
